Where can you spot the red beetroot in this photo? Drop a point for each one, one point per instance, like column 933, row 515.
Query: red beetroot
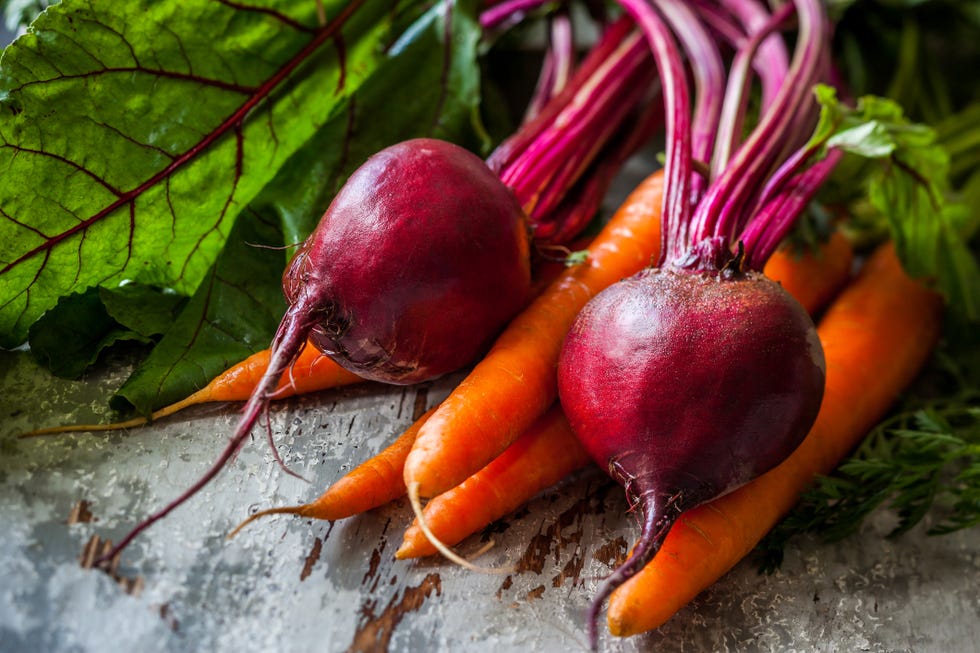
column 420, row 260
column 721, row 377
column 686, row 385
column 691, row 380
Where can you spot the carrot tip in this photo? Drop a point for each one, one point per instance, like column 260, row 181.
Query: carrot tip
column 289, row 510
column 449, row 554
column 83, row 428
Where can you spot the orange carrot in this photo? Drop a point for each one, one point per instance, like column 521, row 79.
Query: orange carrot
column 542, row 456
column 311, row 372
column 371, row 484
column 515, row 383
column 813, row 277
column 876, row 337
column 549, row 451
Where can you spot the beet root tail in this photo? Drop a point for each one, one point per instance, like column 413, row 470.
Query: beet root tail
column 286, row 347
column 656, row 525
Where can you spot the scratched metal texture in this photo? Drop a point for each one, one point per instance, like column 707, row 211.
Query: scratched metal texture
column 289, row 584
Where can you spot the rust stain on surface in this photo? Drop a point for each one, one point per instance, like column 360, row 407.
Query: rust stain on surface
column 571, row 571
column 421, row 402
column 374, row 635
column 81, row 513
column 536, row 593
column 311, row 559
column 169, row 618
column 613, row 553
column 564, row 532
column 94, row 549
column 375, row 563
column 372, row 567
column 504, row 586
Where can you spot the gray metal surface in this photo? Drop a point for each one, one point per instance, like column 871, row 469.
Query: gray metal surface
column 289, row 584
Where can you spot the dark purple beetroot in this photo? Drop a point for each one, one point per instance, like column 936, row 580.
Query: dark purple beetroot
column 686, row 385
column 420, row 260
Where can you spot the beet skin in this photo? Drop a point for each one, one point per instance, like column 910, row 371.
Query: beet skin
column 685, row 385
column 698, row 382
column 417, row 264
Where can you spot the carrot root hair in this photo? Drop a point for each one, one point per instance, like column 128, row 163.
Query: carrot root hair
column 448, row 553
column 166, row 411
column 283, row 510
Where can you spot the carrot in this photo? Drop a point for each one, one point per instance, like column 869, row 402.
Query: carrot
column 876, row 337
column 813, row 277
column 311, row 372
column 515, row 383
column 371, row 484
column 549, row 451
column 542, row 456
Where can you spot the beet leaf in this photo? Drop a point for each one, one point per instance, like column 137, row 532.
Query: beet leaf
column 132, row 134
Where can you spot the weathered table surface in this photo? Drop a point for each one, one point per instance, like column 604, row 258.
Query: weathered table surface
column 289, row 584
column 293, row 585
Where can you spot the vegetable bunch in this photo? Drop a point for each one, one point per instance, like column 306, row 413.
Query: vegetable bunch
column 701, row 383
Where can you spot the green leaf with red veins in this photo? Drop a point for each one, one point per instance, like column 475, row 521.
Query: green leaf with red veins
column 236, row 311
column 133, row 133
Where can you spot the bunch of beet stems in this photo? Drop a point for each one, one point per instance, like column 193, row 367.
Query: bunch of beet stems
column 558, row 165
column 716, row 223
column 433, row 466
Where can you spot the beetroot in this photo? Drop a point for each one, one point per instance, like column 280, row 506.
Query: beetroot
column 647, row 375
column 688, row 381
column 420, row 260
column 686, row 385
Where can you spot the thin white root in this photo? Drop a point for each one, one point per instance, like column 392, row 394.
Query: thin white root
column 449, row 554
column 483, row 549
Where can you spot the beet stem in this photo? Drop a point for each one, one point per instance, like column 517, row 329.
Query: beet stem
column 772, row 60
column 556, row 70
column 737, row 96
column 709, row 84
column 677, row 167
